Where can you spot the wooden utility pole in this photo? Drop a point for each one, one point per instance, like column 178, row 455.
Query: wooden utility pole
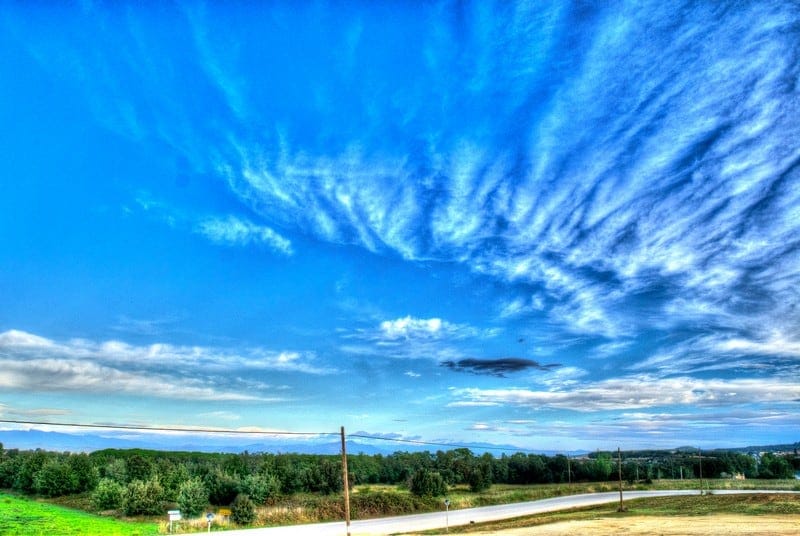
column 346, row 485
column 569, row 472
column 619, row 472
column 700, row 453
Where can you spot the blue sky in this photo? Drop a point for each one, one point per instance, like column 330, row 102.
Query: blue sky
column 551, row 225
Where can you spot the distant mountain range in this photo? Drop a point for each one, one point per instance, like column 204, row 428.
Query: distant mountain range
column 56, row 441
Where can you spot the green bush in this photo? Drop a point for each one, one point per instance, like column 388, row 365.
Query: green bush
column 143, row 498
column 54, row 479
column 138, row 468
column 222, row 487
column 108, row 494
column 426, row 483
column 30, row 464
column 192, row 497
column 368, row 504
column 84, row 472
column 243, row 511
column 261, row 487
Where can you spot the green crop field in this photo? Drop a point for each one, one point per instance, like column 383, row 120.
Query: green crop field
column 25, row 517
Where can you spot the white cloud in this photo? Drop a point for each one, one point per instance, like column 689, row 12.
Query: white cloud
column 37, row 364
column 412, row 374
column 408, row 327
column 115, row 353
column 777, row 344
column 239, row 232
column 77, row 375
column 637, row 392
column 415, row 338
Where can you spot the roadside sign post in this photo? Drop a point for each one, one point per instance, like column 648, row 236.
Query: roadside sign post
column 209, row 518
column 174, row 515
column 447, row 515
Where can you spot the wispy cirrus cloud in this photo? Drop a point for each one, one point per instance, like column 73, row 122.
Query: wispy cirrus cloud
column 596, row 240
column 240, row 232
column 619, row 199
column 227, row 230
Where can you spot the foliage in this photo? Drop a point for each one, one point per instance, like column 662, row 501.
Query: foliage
column 480, row 475
column 172, row 476
column 427, row 483
column 222, row 487
column 261, row 487
column 84, row 472
column 108, row 495
column 389, row 503
column 326, row 477
column 115, row 470
column 143, row 498
column 55, row 478
column 243, row 511
column 775, row 467
column 138, row 468
column 31, row 463
column 192, row 497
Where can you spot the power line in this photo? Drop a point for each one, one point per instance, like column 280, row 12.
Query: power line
column 163, row 428
column 249, row 432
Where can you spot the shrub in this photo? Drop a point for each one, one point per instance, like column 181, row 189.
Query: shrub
column 30, row 464
column 54, row 479
column 480, row 477
column 138, row 468
column 261, row 487
column 108, row 494
column 143, row 498
column 426, row 483
column 222, row 487
column 243, row 511
column 84, row 472
column 192, row 497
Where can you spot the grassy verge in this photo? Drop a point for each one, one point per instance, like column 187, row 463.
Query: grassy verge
column 696, row 505
column 461, row 497
column 26, row 517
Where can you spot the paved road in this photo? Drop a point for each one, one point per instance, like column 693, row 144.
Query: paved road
column 418, row 522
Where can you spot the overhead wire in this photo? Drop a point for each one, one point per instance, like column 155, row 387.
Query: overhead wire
column 143, row 428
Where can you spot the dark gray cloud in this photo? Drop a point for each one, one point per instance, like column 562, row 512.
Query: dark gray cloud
column 497, row 367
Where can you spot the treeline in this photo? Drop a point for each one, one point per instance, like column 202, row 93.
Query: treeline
column 138, row 482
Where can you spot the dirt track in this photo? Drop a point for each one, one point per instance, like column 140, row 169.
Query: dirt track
column 726, row 525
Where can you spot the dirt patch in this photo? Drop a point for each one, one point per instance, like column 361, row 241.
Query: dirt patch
column 724, row 525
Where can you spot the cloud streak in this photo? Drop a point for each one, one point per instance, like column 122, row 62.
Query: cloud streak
column 239, row 232
column 38, row 364
column 637, row 392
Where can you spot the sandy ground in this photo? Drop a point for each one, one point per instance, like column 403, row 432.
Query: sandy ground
column 786, row 525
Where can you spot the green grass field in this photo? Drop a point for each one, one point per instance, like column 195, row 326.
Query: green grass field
column 20, row 516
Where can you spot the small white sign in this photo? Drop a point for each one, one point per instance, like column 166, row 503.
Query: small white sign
column 174, row 515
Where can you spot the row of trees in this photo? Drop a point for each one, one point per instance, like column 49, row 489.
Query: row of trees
column 142, row 482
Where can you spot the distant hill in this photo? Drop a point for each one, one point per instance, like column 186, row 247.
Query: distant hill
column 57, row 441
